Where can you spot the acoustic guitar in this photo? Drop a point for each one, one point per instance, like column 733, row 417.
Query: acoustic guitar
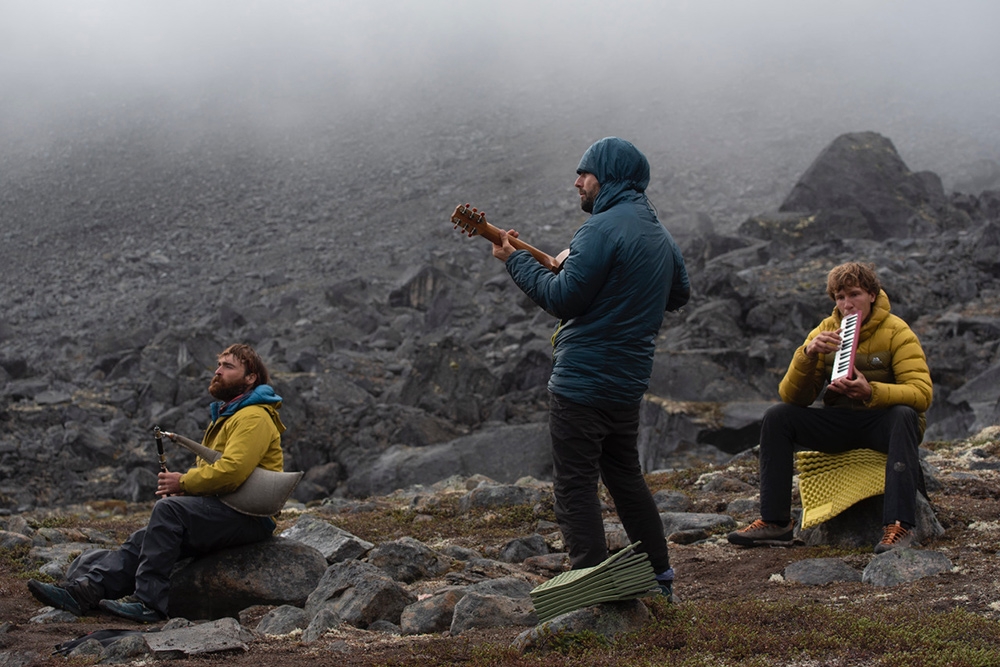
column 471, row 221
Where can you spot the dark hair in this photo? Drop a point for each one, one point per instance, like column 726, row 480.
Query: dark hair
column 852, row 274
column 252, row 363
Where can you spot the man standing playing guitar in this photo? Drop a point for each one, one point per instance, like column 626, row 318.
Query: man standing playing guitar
column 623, row 271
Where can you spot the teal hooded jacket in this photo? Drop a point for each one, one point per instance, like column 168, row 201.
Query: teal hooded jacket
column 623, row 272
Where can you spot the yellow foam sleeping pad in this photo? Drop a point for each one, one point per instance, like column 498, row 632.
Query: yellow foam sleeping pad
column 830, row 483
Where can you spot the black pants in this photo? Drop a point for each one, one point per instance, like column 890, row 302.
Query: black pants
column 894, row 431
column 589, row 444
column 179, row 527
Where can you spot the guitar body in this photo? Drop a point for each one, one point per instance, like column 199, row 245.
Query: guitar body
column 473, row 222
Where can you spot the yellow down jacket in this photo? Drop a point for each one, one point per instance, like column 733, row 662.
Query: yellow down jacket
column 889, row 355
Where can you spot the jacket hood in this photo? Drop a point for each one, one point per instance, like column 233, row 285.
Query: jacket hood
column 619, row 167
column 260, row 395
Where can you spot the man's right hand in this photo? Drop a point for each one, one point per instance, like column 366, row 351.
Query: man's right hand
column 169, row 484
column 824, row 342
column 504, row 249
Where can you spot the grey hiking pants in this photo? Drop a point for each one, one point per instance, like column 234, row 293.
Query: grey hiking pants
column 179, row 527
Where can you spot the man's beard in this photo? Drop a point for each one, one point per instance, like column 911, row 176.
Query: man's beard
column 225, row 392
column 587, row 204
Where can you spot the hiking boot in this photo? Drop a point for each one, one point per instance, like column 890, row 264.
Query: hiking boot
column 54, row 596
column 667, row 590
column 665, row 582
column 761, row 532
column 895, row 536
column 132, row 608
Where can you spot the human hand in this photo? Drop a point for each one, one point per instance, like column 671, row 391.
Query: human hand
column 169, row 484
column 857, row 388
column 504, row 249
column 823, row 343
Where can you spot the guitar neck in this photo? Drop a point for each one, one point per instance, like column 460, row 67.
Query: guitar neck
column 492, row 234
column 546, row 260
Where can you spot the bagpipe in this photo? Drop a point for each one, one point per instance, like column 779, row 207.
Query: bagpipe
column 263, row 493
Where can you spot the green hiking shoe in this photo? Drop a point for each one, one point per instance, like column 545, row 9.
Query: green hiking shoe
column 132, row 608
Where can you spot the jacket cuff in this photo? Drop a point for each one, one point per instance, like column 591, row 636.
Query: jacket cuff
column 871, row 399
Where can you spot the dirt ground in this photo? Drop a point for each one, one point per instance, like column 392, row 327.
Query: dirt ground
column 968, row 507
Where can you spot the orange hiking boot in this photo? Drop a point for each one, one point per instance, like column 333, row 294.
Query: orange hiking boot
column 895, row 536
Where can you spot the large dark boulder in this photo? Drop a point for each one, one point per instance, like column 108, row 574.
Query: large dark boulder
column 981, row 394
column 504, row 453
column 274, row 572
column 865, row 190
column 986, row 249
column 860, row 525
column 449, row 379
column 360, row 594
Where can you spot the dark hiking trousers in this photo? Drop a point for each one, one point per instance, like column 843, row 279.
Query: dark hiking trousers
column 591, row 444
column 179, row 527
column 894, row 431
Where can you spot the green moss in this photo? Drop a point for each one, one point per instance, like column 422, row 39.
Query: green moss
column 572, row 643
column 54, row 521
column 14, row 561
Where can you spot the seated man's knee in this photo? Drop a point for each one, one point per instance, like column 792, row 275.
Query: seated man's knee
column 778, row 415
column 171, row 506
column 903, row 415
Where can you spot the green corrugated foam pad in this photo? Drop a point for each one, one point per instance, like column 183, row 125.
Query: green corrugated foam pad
column 624, row 576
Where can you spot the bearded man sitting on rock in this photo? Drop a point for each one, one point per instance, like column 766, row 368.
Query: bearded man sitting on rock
column 880, row 407
column 188, row 519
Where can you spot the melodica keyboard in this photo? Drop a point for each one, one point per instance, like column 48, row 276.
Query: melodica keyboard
column 843, row 360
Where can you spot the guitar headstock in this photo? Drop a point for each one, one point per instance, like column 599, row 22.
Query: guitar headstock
column 469, row 220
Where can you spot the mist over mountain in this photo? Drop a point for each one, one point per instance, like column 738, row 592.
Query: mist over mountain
column 740, row 84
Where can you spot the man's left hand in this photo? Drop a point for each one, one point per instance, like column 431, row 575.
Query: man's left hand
column 169, row 484
column 857, row 388
column 504, row 249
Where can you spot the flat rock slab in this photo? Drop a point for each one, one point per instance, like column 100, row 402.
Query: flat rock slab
column 900, row 566
column 225, row 634
column 680, row 522
column 334, row 543
column 819, row 571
